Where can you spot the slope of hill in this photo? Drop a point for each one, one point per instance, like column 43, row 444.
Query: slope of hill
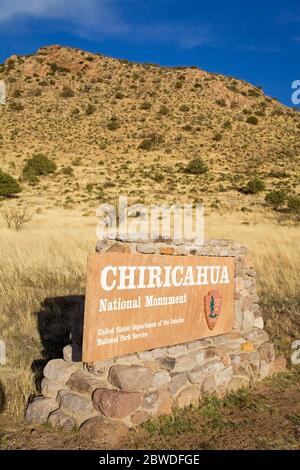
column 114, row 126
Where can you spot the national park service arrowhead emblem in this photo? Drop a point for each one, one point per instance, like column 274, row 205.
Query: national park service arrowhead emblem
column 212, row 308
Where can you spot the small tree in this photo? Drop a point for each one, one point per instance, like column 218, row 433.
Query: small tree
column 38, row 165
column 67, row 92
column 9, row 186
column 196, row 167
column 276, row 198
column 293, row 203
column 254, row 186
column 15, row 218
column 252, row 120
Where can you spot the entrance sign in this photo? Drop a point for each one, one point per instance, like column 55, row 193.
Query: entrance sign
column 139, row 302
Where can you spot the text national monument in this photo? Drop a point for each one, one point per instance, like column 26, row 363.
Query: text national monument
column 164, row 325
column 135, row 303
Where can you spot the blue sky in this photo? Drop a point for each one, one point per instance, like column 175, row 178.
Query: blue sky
column 258, row 41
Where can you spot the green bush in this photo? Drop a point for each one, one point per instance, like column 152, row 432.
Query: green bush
column 90, row 109
column 113, row 124
column 196, row 167
column 38, row 165
column 218, row 137
column 67, row 92
column 163, row 110
column 145, row 105
column 254, row 186
column 184, row 108
column 293, row 203
column 9, row 186
column 158, row 177
column 147, row 144
column 252, row 120
column 276, row 198
column 67, row 170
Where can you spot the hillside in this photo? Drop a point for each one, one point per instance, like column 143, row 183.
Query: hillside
column 113, row 126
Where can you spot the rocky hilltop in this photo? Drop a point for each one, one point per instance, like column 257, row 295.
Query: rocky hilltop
column 115, row 126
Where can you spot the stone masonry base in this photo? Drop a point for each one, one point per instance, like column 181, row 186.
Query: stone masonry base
column 105, row 399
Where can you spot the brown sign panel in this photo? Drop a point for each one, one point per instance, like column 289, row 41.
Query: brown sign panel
column 138, row 302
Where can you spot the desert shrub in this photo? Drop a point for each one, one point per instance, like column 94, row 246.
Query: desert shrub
column 221, row 103
column 252, row 120
column 196, row 167
column 90, row 109
column 145, row 105
column 9, row 186
column 158, row 177
column 227, row 125
column 38, row 165
column 178, row 84
column 15, row 218
column 147, row 144
column 67, row 170
column 276, row 198
column 163, row 110
column 254, row 186
column 217, row 137
column 14, row 106
column 119, row 95
column 184, row 108
column 67, row 92
column 113, row 124
column 293, row 203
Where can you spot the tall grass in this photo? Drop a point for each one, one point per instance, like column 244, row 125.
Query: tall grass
column 48, row 259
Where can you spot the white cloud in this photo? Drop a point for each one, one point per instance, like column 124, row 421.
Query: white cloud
column 95, row 19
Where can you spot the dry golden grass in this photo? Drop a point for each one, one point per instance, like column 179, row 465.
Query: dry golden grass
column 48, row 259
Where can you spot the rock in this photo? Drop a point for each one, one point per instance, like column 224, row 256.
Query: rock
column 103, row 431
column 248, row 346
column 118, row 248
column 259, row 323
column 267, row 352
column 248, row 320
column 178, row 381
column 158, row 353
column 145, row 356
column 76, row 405
column 115, row 404
column 130, row 378
column 149, row 400
column 58, row 419
column 208, row 385
column 224, row 376
column 129, row 360
column 184, row 363
column 264, row 370
column 278, row 365
column 177, row 350
column 160, row 379
column 238, row 382
column 167, row 363
column 212, row 367
column 50, row 389
column 164, row 403
column 99, row 368
column 59, row 370
column 38, row 411
column 67, row 353
column 2, row 353
column 146, row 248
column 81, row 382
column 167, row 250
column 257, row 336
column 188, row 396
column 139, row 417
